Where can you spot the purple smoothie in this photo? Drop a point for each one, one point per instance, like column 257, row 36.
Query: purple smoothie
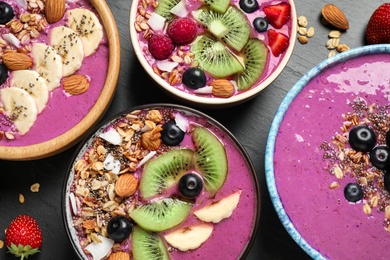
column 310, row 192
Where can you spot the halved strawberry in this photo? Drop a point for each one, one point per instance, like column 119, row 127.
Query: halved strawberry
column 277, row 41
column 278, row 15
column 378, row 28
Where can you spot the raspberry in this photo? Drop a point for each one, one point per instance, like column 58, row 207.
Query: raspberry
column 182, row 30
column 160, row 46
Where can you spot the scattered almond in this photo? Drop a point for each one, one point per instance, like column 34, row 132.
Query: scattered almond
column 54, row 10
column 303, row 39
column 76, row 84
column 342, row 47
column 310, row 32
column 89, row 224
column 302, row 21
column 119, row 256
column 335, row 17
column 222, row 88
column 35, row 187
column 17, row 61
column 21, row 198
column 126, row 185
column 1, row 244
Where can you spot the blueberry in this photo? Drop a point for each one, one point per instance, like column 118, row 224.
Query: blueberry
column 190, row 185
column 260, row 24
column 171, row 134
column 6, row 13
column 3, row 73
column 386, row 181
column 194, row 78
column 249, row 6
column 362, row 138
column 353, row 192
column 119, row 228
column 380, row 157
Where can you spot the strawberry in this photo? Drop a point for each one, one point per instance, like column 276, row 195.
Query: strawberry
column 278, row 15
column 23, row 236
column 160, row 46
column 277, row 41
column 378, row 28
column 182, row 30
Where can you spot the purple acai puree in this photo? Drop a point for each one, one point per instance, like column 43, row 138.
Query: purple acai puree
column 192, row 5
column 329, row 223
column 63, row 111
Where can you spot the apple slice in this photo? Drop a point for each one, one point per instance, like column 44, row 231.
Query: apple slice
column 218, row 210
column 189, row 238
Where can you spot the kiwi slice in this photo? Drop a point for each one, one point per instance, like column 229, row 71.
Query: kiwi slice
column 255, row 55
column 164, row 8
column 214, row 57
column 161, row 214
column 231, row 27
column 219, row 6
column 148, row 245
column 165, row 171
column 211, row 159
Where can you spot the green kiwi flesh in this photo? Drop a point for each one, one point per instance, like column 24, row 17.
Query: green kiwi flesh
column 161, row 214
column 165, row 171
column 255, row 55
column 231, row 27
column 164, row 8
column 211, row 159
column 219, row 6
column 214, row 57
column 147, row 245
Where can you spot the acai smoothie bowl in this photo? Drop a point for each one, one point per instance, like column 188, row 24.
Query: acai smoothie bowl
column 161, row 181
column 213, row 54
column 327, row 157
column 59, row 65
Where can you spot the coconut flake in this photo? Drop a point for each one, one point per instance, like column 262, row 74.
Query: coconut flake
column 156, row 22
column 166, row 65
column 11, row 39
column 146, row 158
column 181, row 122
column 100, row 250
column 180, row 9
column 72, row 200
column 22, row 3
column 112, row 136
column 112, row 164
column 204, row 90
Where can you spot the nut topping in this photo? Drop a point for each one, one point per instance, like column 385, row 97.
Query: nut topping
column 335, row 17
column 222, row 88
column 17, row 61
column 54, row 10
column 126, row 185
column 76, row 84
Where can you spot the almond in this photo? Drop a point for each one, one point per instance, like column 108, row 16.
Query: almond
column 126, row 185
column 54, row 10
column 151, row 140
column 335, row 17
column 17, row 61
column 76, row 84
column 119, row 256
column 89, row 224
column 222, row 88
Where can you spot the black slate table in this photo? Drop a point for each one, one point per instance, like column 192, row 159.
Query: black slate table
column 249, row 122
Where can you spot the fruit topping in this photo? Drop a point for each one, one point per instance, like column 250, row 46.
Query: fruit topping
column 190, row 185
column 171, row 133
column 194, row 78
column 119, row 228
column 378, row 28
column 380, row 157
column 278, row 15
column 260, row 24
column 211, row 159
column 6, row 13
column 161, row 214
column 3, row 73
column 164, row 8
column 278, row 42
column 353, row 192
column 147, row 245
column 23, row 236
column 160, row 46
column 249, row 6
column 189, row 238
column 362, row 138
column 220, row 209
column 182, row 30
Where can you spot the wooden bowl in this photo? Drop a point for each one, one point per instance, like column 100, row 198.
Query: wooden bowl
column 73, row 135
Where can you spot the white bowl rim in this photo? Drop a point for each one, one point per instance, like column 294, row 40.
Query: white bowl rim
column 270, row 145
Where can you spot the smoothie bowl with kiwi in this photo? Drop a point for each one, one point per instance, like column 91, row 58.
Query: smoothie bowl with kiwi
column 213, row 53
column 161, row 182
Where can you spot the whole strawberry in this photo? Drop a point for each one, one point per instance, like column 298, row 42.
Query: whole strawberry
column 160, row 46
column 23, row 236
column 182, row 30
column 378, row 28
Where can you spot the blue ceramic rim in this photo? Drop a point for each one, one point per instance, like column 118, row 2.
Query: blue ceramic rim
column 270, row 146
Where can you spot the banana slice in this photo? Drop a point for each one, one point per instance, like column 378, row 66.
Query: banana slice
column 20, row 107
column 218, row 210
column 87, row 26
column 48, row 64
column 189, row 238
column 69, row 46
column 30, row 81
